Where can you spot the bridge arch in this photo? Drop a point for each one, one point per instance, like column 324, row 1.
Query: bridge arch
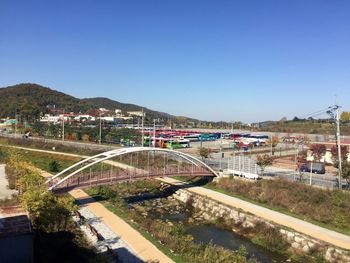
column 69, row 172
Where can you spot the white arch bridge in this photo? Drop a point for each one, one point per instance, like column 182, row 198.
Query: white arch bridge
column 79, row 176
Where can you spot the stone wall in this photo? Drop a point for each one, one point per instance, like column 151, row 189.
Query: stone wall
column 212, row 210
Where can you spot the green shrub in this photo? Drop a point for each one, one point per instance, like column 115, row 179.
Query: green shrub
column 54, row 166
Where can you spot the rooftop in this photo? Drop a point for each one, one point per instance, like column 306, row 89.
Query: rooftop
column 14, row 221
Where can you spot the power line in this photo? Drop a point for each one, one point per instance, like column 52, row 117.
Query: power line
column 316, row 112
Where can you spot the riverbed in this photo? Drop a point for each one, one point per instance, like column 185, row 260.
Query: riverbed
column 172, row 211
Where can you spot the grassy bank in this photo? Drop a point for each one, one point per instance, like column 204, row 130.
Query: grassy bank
column 36, row 144
column 326, row 208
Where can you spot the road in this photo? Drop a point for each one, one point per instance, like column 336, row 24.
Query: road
column 301, row 226
column 76, row 144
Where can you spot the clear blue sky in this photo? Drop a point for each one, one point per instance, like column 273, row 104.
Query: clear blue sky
column 214, row 60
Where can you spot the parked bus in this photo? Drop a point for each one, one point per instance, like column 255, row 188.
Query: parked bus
column 177, row 144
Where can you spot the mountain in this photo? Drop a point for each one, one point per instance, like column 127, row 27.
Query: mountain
column 101, row 102
column 30, row 99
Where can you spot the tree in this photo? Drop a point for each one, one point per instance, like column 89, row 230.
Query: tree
column 345, row 117
column 263, row 161
column 284, row 119
column 274, row 140
column 343, row 152
column 318, row 150
column 86, row 138
column 47, row 212
column 204, row 152
column 306, row 139
column 346, row 172
column 301, row 160
column 38, row 128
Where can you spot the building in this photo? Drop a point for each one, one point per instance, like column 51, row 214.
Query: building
column 84, row 117
column 49, row 118
column 136, row 113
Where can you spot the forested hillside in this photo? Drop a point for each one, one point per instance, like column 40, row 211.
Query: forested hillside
column 30, row 99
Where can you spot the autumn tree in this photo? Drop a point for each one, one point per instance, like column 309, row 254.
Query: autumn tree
column 301, row 160
column 346, row 172
column 345, row 117
column 204, row 152
column 344, row 158
column 86, row 138
column 306, row 140
column 263, row 161
column 274, row 140
column 343, row 152
column 318, row 150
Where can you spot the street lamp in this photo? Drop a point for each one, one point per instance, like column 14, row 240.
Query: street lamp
column 99, row 141
column 63, row 127
column 142, row 135
column 154, row 133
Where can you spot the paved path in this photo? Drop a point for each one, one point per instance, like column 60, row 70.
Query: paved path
column 5, row 192
column 110, row 239
column 143, row 248
column 135, row 242
column 301, row 226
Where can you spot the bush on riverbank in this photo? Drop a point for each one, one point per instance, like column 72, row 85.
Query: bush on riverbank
column 330, row 208
column 51, row 217
column 269, row 238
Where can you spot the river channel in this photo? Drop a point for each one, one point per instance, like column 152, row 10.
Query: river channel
column 172, row 211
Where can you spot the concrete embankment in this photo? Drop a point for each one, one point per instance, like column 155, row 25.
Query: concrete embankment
column 213, row 210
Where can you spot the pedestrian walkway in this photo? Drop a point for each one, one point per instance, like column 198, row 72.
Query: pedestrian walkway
column 143, row 248
column 110, row 239
column 5, row 192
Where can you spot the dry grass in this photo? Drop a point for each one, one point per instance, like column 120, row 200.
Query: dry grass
column 329, row 208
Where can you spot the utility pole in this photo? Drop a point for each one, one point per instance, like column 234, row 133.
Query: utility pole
column 154, row 133
column 142, row 135
column 16, row 124
column 271, row 146
column 100, row 140
column 339, row 147
column 220, row 153
column 63, row 127
column 334, row 113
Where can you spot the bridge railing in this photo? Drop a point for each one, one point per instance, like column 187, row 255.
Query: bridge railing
column 95, row 178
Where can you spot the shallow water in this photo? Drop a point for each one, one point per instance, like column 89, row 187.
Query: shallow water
column 206, row 233
column 201, row 231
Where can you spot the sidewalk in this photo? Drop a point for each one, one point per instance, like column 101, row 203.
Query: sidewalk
column 143, row 248
column 5, row 192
